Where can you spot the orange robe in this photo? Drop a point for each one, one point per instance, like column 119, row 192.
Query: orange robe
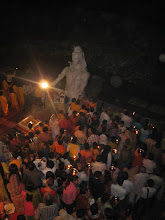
column 4, row 105
column 14, row 102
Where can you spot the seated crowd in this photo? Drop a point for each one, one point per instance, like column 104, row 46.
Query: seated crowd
column 87, row 163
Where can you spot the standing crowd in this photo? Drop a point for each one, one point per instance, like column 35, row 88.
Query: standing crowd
column 90, row 162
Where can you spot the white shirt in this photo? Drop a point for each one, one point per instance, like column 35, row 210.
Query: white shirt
column 149, row 165
column 140, row 181
column 121, row 129
column 82, row 176
column 128, row 185
column 127, row 120
column 44, row 171
column 109, row 160
column 98, row 166
column 119, row 191
column 151, row 192
column 157, row 180
column 103, row 139
column 104, row 116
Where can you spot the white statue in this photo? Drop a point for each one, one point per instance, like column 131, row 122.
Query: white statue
column 76, row 75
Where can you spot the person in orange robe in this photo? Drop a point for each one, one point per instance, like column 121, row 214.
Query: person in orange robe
column 21, row 96
column 13, row 99
column 3, row 104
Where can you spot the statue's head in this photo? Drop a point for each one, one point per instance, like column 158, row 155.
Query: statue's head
column 78, row 57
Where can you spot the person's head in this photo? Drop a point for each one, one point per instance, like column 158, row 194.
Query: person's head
column 86, row 146
column 97, row 174
column 81, row 127
column 1, row 92
column 74, row 140
column 13, row 169
column 94, row 208
column 113, row 139
column 80, row 213
column 50, row 174
column 50, row 164
column 48, row 199
column 31, row 135
column 125, row 175
column 31, row 165
column 45, row 129
column 21, row 217
column 29, row 197
column 40, row 154
column 120, row 180
column 50, row 182
column 37, row 132
column 41, row 124
column 51, row 155
column 60, row 142
column 98, row 158
column 61, row 165
column 74, row 113
column 150, row 183
column 73, row 99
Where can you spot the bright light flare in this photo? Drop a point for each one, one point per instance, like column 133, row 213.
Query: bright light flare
column 44, row 85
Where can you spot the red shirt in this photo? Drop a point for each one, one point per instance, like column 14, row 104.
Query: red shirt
column 52, row 192
column 87, row 154
column 66, row 124
column 60, row 149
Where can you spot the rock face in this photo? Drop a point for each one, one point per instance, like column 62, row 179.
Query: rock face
column 116, row 81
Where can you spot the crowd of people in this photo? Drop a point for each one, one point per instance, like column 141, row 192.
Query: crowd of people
column 88, row 162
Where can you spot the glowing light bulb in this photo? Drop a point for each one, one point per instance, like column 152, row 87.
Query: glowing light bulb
column 44, row 85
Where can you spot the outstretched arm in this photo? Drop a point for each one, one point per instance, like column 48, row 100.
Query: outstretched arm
column 59, row 77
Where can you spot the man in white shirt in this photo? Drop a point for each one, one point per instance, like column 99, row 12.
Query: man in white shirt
column 98, row 165
column 127, row 184
column 140, row 180
column 151, row 190
column 149, row 164
column 118, row 190
column 127, row 119
column 105, row 115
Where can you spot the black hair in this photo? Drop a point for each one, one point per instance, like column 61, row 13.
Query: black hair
column 151, row 156
column 74, row 140
column 50, row 164
column 50, row 181
column 120, row 180
column 48, row 199
column 13, row 169
column 50, row 174
column 150, row 182
column 51, row 155
column 125, row 175
column 80, row 213
column 94, row 145
column 94, row 208
column 31, row 165
column 60, row 142
column 81, row 127
column 45, row 129
column 73, row 99
column 37, row 132
column 30, row 125
column 21, row 217
column 108, row 212
column 97, row 174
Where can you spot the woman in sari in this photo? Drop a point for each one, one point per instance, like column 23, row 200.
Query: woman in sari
column 15, row 187
column 3, row 194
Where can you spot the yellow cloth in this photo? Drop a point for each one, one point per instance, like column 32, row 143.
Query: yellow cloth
column 21, row 96
column 14, row 102
column 4, row 105
column 74, row 149
column 5, row 168
column 3, row 194
column 5, row 87
column 76, row 108
column 17, row 162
